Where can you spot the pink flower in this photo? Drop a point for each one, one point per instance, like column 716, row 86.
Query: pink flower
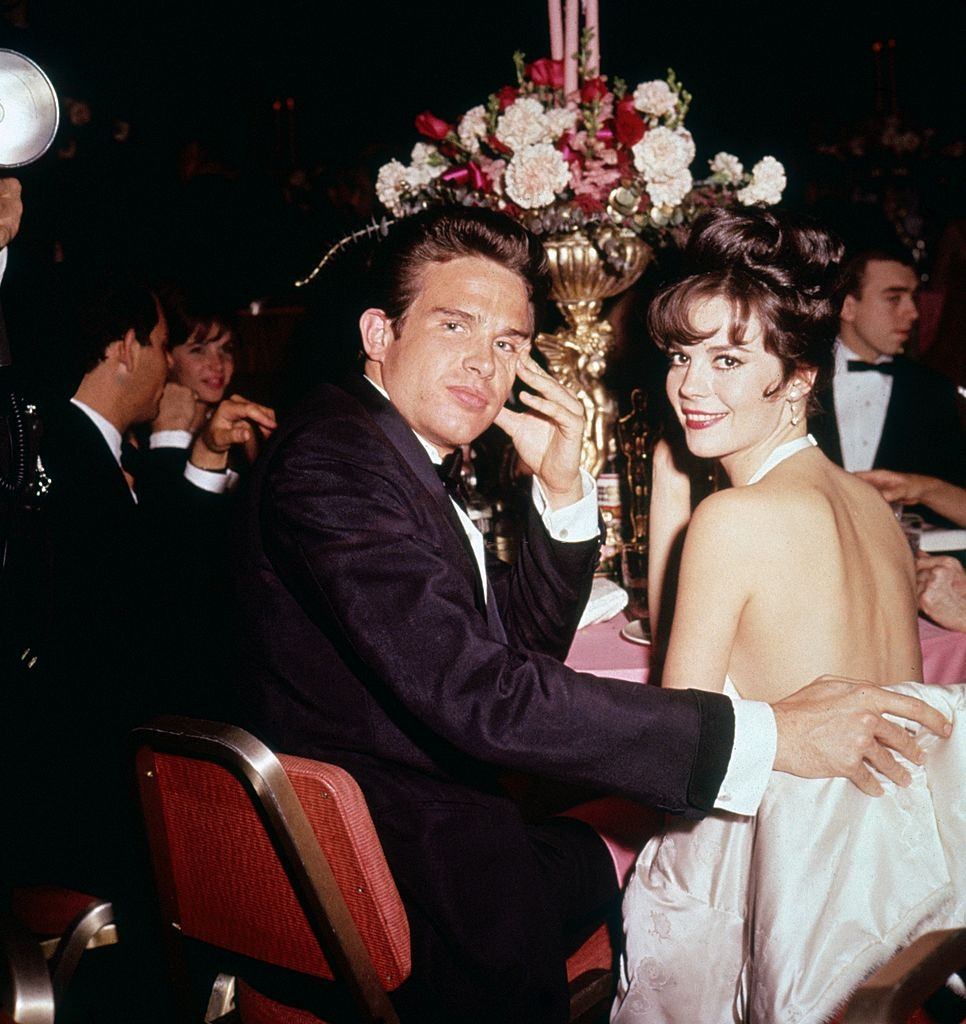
column 546, row 72
column 431, row 126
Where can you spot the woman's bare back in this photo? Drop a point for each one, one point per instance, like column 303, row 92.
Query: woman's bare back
column 833, row 588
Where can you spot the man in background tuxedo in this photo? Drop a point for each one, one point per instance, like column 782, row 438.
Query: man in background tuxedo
column 884, row 411
column 380, row 635
column 94, row 655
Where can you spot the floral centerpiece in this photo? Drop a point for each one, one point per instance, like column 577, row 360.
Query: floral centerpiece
column 600, row 171
column 604, row 157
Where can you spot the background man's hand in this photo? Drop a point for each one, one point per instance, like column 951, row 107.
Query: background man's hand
column 834, row 727
column 235, row 421
column 942, row 590
column 548, row 440
column 11, row 210
column 909, row 488
column 179, row 409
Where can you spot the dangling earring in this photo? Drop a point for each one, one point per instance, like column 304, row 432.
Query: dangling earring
column 792, row 399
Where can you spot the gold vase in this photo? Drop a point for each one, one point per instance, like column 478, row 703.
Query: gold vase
column 577, row 353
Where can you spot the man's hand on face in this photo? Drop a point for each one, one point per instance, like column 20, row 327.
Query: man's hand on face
column 548, row 440
column 179, row 409
column 11, row 209
column 834, row 728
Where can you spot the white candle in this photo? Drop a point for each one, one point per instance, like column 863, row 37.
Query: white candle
column 556, row 30
column 571, row 45
column 592, row 24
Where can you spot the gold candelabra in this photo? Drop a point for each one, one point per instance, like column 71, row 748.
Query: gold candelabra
column 577, row 353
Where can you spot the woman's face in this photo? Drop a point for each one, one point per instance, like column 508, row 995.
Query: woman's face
column 718, row 390
column 205, row 364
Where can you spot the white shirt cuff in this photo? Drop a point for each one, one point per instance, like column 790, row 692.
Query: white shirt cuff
column 170, row 439
column 3, row 260
column 572, row 523
column 752, row 758
column 211, row 480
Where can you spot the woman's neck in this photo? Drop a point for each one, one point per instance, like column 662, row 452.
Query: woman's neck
column 742, row 465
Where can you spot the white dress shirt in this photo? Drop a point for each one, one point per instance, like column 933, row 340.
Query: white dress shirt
column 861, row 401
column 207, row 480
column 756, row 735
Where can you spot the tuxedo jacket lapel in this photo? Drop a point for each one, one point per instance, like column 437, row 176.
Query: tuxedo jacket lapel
column 400, row 435
column 898, row 416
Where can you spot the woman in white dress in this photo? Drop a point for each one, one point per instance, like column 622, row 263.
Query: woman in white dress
column 797, row 569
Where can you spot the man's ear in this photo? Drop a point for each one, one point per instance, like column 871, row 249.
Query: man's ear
column 848, row 309
column 377, row 334
column 127, row 347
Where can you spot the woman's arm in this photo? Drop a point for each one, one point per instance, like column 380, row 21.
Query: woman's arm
column 713, row 588
column 670, row 512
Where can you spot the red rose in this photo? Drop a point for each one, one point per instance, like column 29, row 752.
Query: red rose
column 507, row 96
column 593, row 89
column 546, row 72
column 627, row 103
column 431, row 126
column 589, row 204
column 494, row 143
column 629, row 127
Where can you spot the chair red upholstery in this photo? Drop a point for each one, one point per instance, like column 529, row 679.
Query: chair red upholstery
column 242, row 843
column 233, row 892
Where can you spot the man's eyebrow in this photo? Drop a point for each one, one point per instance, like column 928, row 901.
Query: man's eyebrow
column 462, row 314
column 900, row 289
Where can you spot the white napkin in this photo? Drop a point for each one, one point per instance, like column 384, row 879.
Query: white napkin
column 939, row 539
column 605, row 601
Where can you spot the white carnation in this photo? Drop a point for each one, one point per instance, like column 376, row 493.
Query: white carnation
column 561, row 121
column 472, row 128
column 393, row 179
column 535, row 175
column 670, row 191
column 767, row 183
column 524, row 123
column 662, row 153
column 428, row 163
column 727, row 167
column 655, row 98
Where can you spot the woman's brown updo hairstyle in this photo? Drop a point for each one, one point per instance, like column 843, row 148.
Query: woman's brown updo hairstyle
column 776, row 267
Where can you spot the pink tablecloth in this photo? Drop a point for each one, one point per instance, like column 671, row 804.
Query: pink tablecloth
column 600, row 649
column 603, row 651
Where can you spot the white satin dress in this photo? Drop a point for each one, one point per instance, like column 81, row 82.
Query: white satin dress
column 775, row 919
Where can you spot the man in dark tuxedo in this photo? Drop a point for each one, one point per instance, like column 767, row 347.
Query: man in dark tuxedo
column 884, row 411
column 95, row 602
column 378, row 634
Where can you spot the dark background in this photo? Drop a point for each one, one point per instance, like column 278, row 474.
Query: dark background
column 261, row 192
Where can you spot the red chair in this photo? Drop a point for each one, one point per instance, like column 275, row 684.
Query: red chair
column 53, row 924
column 277, row 859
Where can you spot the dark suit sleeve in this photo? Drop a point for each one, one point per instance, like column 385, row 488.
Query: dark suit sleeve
column 365, row 552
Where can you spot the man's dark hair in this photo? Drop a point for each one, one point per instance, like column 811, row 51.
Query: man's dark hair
column 446, row 233
column 108, row 312
column 853, row 272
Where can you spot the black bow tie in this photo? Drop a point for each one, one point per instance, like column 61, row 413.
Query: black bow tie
column 860, row 366
column 450, row 471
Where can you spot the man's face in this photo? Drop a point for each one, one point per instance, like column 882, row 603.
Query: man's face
column 151, row 371
column 880, row 320
column 451, row 365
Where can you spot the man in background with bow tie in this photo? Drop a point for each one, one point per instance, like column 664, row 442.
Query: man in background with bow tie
column 379, row 634
column 884, row 411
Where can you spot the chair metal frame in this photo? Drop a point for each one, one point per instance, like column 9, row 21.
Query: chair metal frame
column 902, row 984
column 302, row 858
column 28, row 995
